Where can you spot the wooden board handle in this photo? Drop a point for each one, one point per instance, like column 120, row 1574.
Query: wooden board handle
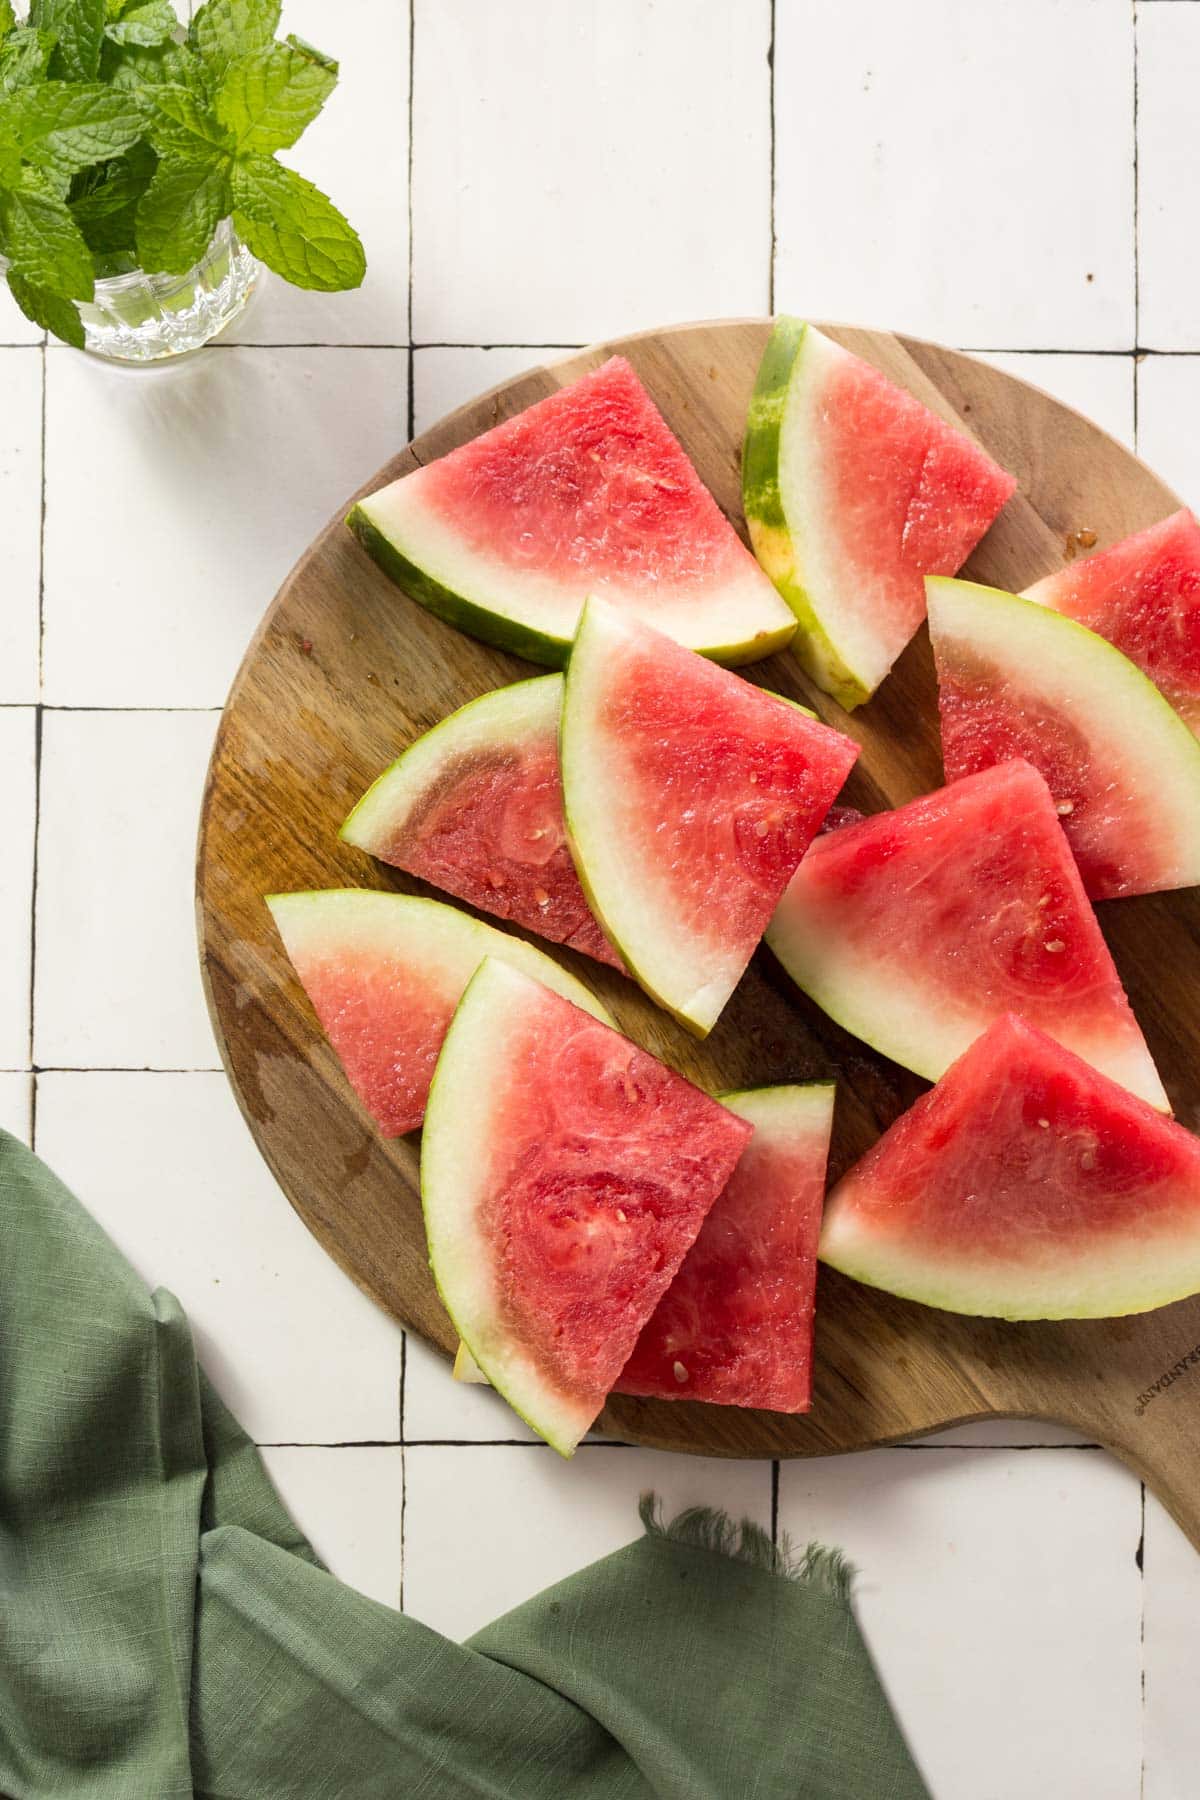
column 1160, row 1438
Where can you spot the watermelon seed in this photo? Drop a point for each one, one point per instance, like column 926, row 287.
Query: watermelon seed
column 1064, row 807
column 1054, row 945
column 1088, row 1160
column 681, row 1373
column 620, row 1215
column 541, row 896
column 1045, row 1124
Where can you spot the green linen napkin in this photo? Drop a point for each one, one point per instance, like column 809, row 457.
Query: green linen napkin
column 166, row 1630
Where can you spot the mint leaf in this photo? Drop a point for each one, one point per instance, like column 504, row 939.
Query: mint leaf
column 166, row 65
column 223, row 29
column 107, row 213
column 180, row 120
column 46, row 245
column 78, row 26
column 147, row 25
column 8, row 18
column 269, row 97
column 24, row 57
column 292, row 226
column 62, row 126
column 47, row 309
column 10, row 157
column 179, row 212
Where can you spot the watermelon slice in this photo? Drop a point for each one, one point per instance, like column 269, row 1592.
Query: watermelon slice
column 853, row 490
column 917, row 928
column 1016, row 679
column 1143, row 595
column 384, row 973
column 735, row 1326
column 1026, row 1185
column 690, row 798
column 564, row 1175
column 586, row 492
column 475, row 807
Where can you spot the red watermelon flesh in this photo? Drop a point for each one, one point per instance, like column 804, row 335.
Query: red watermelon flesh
column 564, row 1174
column 735, row 1326
column 475, row 807
column 1025, row 1185
column 1019, row 680
column 384, row 973
column 1143, row 595
column 586, row 492
column 917, row 928
column 690, row 798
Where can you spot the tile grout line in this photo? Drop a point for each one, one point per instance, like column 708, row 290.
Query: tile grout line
column 775, row 1502
column 771, row 14
column 1137, row 266
column 1140, row 1557
column 38, row 719
column 412, row 355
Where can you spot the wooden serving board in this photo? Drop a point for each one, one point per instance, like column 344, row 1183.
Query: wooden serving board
column 346, row 670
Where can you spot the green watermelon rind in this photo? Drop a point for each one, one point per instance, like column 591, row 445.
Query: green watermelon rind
column 453, row 1151
column 1059, row 647
column 492, row 625
column 773, row 536
column 506, row 715
column 1101, row 1290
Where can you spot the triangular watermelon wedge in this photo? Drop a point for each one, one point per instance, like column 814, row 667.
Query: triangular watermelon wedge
column 690, row 798
column 1025, row 1185
column 735, row 1326
column 475, row 807
column 1143, row 595
column 586, row 492
column 1018, row 680
column 853, row 491
column 564, row 1176
column 384, row 973
column 917, row 928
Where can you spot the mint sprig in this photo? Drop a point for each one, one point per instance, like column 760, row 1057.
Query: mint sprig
column 125, row 140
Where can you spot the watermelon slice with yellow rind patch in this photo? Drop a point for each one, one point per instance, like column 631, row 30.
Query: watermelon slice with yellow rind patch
column 853, row 491
column 1025, row 1185
column 586, row 492
column 384, row 973
column 1016, row 679
column 564, row 1176
column 690, row 798
column 475, row 807
column 1143, row 595
column 735, row 1326
column 917, row 928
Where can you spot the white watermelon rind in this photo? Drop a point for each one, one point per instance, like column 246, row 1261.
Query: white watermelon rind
column 784, row 1110
column 1099, row 689
column 738, row 623
column 883, row 1005
column 1127, row 1278
column 456, row 1152
column 508, row 715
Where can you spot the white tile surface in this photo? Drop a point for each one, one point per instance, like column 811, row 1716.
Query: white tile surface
column 348, row 1503
column 117, row 983
column 584, row 170
column 464, row 1561
column 16, row 1092
column 356, row 152
column 167, row 1165
column 1168, row 395
column 1100, row 387
column 177, row 502
column 17, row 813
column 958, row 170
column 15, row 328
column 20, row 507
column 448, row 1411
column 446, row 376
column 1172, row 1721
column 1001, row 1598
column 1168, row 49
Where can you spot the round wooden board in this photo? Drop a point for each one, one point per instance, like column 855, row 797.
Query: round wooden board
column 346, row 670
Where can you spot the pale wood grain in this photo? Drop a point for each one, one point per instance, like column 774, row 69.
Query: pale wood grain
column 305, row 730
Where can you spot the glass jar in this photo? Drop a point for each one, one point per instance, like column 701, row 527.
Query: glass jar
column 140, row 318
